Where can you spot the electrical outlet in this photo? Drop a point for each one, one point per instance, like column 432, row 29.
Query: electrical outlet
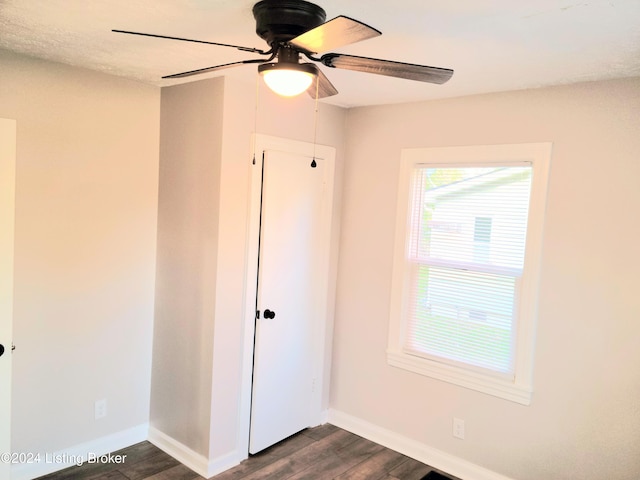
column 100, row 409
column 458, row 428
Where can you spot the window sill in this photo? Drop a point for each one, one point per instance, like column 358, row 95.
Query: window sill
column 495, row 386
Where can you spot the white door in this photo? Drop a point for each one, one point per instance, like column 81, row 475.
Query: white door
column 7, row 192
column 291, row 295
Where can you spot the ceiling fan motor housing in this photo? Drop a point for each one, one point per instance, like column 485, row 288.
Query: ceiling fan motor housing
column 279, row 21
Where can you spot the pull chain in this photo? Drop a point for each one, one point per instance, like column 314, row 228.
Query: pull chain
column 255, row 118
column 315, row 125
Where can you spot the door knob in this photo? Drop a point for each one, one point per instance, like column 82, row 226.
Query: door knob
column 269, row 314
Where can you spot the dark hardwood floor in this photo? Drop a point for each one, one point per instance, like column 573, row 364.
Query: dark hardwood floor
column 322, row 453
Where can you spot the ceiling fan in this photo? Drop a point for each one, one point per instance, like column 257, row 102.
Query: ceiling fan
column 297, row 28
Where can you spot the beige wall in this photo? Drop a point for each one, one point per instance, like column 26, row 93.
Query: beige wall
column 86, row 202
column 205, row 166
column 190, row 152
column 584, row 420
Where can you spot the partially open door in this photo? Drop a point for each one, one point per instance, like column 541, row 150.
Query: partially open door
column 291, row 294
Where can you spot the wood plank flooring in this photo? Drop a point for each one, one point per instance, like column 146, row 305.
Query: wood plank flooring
column 321, row 453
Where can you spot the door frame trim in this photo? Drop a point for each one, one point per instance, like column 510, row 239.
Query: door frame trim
column 324, row 329
column 8, row 140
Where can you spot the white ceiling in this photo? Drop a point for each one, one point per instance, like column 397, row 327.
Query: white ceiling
column 493, row 45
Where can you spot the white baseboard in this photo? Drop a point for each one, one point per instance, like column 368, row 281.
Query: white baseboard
column 68, row 457
column 423, row 453
column 195, row 461
column 323, row 417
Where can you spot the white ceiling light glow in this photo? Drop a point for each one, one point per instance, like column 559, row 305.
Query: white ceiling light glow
column 288, row 79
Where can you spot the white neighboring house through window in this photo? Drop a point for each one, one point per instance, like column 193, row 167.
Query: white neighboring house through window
column 466, row 265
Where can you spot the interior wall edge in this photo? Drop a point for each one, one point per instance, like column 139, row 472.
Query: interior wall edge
column 195, row 461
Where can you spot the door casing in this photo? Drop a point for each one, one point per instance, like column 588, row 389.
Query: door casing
column 7, row 220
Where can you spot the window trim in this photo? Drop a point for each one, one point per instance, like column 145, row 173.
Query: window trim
column 519, row 387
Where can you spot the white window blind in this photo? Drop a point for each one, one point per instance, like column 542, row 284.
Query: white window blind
column 465, row 256
column 466, row 265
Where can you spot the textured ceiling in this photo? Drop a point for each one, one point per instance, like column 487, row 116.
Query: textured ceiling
column 493, row 45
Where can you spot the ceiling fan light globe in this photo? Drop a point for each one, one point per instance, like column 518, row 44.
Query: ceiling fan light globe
column 288, row 80
column 288, row 83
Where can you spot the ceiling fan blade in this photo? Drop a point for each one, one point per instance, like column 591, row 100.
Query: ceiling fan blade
column 322, row 86
column 410, row 71
column 333, row 34
column 214, row 68
column 238, row 47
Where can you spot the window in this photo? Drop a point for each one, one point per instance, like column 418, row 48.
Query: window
column 467, row 257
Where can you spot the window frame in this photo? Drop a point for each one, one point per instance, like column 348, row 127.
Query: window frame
column 519, row 387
